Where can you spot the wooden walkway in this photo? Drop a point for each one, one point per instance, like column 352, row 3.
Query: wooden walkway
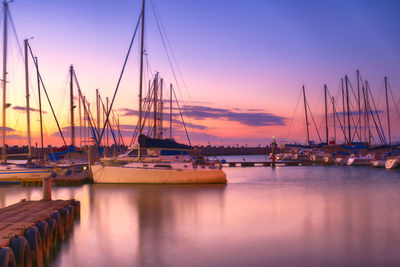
column 30, row 229
column 59, row 180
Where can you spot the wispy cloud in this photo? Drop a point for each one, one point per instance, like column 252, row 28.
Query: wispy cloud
column 250, row 117
column 247, row 118
column 8, row 129
column 31, row 109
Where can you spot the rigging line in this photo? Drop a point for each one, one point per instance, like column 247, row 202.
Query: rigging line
column 15, row 33
column 111, row 130
column 294, row 113
column 120, row 76
column 146, row 109
column 169, row 59
column 171, row 50
column 19, row 45
column 183, row 121
column 85, row 110
column 394, row 100
column 352, row 107
column 315, row 125
column 379, row 119
column 337, row 116
column 373, row 118
column 47, row 96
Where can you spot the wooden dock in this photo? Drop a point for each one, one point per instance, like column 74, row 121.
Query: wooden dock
column 29, row 230
column 60, row 180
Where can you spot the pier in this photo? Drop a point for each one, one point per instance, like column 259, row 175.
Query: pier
column 72, row 179
column 30, row 230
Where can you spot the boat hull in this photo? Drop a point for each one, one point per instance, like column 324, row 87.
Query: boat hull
column 392, row 163
column 119, row 174
column 17, row 174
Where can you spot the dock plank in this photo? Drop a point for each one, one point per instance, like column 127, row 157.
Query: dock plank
column 16, row 218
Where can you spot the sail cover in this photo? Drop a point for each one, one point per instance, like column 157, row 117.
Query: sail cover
column 148, row 142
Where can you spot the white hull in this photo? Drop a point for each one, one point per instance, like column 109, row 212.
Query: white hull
column 378, row 163
column 392, row 163
column 353, row 161
column 121, row 174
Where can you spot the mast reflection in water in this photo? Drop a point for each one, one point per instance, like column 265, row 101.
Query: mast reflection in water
column 289, row 216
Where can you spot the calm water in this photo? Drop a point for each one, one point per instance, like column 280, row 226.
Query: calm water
column 288, row 216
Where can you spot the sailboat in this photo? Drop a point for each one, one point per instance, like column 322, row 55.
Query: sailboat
column 156, row 160
column 13, row 172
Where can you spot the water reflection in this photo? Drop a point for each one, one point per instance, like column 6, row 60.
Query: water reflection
column 296, row 216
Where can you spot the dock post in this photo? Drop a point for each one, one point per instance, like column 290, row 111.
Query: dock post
column 47, row 188
column 91, row 156
column 273, row 147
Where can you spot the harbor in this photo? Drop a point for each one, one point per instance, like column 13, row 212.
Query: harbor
column 199, row 133
column 327, row 214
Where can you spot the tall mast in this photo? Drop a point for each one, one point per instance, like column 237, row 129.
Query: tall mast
column 367, row 110
column 387, row 110
column 305, row 109
column 107, row 126
column 71, row 92
column 344, row 112
column 155, row 99
column 5, row 15
column 40, row 110
column 334, row 118
column 141, row 77
column 28, row 113
column 80, row 120
column 161, row 109
column 98, row 111
column 326, row 117
column 170, row 111
column 359, row 104
column 348, row 110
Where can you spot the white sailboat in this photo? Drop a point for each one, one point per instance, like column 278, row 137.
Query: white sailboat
column 13, row 172
column 155, row 160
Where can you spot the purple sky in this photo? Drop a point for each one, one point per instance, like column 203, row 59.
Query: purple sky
column 243, row 62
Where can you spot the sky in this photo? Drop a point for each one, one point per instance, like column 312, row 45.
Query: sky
column 240, row 64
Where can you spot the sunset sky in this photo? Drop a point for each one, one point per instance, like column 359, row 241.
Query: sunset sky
column 243, row 63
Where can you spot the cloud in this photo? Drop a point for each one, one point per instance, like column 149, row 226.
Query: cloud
column 250, row 117
column 246, row 118
column 8, row 129
column 31, row 109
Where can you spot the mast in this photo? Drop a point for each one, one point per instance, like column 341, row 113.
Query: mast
column 4, row 149
column 107, row 126
column 344, row 113
column 334, row 118
column 367, row 110
column 28, row 113
column 141, row 78
column 80, row 120
column 326, row 116
column 387, row 110
column 359, row 104
column 40, row 111
column 305, row 109
column 98, row 111
column 155, row 99
column 71, row 71
column 348, row 109
column 161, row 109
column 170, row 111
